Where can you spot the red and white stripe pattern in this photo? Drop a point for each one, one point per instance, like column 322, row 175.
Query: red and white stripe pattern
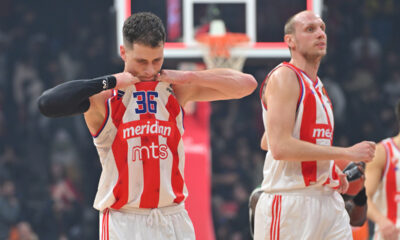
column 387, row 196
column 276, row 217
column 104, row 234
column 141, row 149
column 314, row 123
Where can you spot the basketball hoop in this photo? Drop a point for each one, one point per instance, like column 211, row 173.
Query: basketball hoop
column 218, row 45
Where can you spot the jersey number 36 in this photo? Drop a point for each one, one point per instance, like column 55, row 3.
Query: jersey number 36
column 146, row 102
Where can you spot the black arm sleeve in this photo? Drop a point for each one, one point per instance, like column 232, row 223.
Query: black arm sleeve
column 72, row 97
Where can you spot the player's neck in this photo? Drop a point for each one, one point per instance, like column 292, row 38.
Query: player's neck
column 309, row 67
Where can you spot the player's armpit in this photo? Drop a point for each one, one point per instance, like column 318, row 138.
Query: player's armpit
column 95, row 116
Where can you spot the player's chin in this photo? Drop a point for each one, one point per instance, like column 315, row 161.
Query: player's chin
column 322, row 52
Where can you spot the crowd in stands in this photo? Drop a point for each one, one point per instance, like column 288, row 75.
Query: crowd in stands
column 49, row 168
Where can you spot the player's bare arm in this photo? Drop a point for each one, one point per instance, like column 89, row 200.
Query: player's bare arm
column 83, row 96
column 343, row 183
column 281, row 95
column 373, row 173
column 209, row 85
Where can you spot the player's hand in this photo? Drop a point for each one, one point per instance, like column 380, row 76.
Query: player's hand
column 362, row 152
column 125, row 79
column 343, row 183
column 388, row 230
column 173, row 77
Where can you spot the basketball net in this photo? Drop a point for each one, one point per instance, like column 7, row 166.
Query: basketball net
column 218, row 46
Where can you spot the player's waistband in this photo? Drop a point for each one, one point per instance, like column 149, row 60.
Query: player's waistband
column 307, row 191
column 147, row 211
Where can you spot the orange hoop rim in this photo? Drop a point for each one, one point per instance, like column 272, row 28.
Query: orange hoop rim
column 219, row 46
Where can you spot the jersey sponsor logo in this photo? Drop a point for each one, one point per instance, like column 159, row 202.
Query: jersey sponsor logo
column 152, row 151
column 145, row 128
column 322, row 132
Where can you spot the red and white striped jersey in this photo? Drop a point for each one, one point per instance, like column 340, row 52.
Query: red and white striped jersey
column 314, row 124
column 141, row 149
column 387, row 196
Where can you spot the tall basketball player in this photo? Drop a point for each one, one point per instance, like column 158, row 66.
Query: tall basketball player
column 299, row 200
column 136, row 118
column 382, row 185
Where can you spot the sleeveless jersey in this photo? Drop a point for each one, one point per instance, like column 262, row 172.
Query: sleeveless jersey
column 387, row 196
column 314, row 124
column 141, row 149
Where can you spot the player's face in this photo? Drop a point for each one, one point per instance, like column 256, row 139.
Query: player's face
column 310, row 38
column 144, row 62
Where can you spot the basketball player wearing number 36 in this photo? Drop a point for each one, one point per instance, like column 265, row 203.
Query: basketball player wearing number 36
column 136, row 120
column 301, row 185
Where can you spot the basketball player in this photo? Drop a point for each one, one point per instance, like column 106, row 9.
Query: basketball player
column 356, row 206
column 136, row 119
column 300, row 177
column 382, row 185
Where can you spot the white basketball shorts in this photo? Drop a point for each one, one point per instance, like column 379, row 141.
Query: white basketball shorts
column 305, row 215
column 146, row 224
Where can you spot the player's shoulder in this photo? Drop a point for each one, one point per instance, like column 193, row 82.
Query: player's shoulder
column 380, row 154
column 283, row 77
column 283, row 73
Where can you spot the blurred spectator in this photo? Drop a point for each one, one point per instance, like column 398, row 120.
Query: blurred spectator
column 60, row 221
column 9, row 208
column 336, row 94
column 23, row 231
column 62, row 188
column 366, row 50
column 392, row 87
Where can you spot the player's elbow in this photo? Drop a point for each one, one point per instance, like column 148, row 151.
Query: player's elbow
column 249, row 84
column 278, row 152
column 55, row 105
column 264, row 147
column 45, row 105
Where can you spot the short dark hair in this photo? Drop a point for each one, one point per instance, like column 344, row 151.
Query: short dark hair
column 145, row 28
column 289, row 25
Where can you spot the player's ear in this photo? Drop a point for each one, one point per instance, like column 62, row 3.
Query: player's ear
column 122, row 52
column 288, row 38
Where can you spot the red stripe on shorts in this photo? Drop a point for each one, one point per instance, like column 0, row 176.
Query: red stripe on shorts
column 279, row 215
column 104, row 225
column 272, row 228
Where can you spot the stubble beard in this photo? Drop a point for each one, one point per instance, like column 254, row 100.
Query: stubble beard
column 314, row 57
